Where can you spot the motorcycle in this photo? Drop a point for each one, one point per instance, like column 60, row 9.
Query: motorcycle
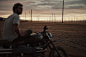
column 36, row 46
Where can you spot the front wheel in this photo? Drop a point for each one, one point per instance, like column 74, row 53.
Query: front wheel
column 62, row 52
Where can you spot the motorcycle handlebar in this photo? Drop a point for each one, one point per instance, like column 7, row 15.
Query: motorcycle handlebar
column 45, row 28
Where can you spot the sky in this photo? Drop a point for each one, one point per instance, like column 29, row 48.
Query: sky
column 46, row 10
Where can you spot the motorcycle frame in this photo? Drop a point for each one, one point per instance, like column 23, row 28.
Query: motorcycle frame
column 51, row 42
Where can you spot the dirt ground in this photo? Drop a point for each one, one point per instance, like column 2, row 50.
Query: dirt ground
column 70, row 36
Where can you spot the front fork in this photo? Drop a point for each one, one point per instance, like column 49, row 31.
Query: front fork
column 53, row 47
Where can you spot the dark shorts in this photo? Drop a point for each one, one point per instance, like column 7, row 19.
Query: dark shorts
column 19, row 38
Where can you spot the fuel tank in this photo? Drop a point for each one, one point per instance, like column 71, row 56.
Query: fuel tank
column 34, row 38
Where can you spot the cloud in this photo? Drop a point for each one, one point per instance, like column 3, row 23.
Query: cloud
column 28, row 2
column 5, row 6
column 2, row 0
column 75, row 4
column 44, row 5
column 76, row 7
column 72, row 4
column 5, row 13
column 74, row 11
column 47, row 4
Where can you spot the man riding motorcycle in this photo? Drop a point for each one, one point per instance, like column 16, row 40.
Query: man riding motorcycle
column 11, row 30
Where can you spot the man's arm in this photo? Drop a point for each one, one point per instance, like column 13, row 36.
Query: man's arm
column 16, row 29
column 16, row 26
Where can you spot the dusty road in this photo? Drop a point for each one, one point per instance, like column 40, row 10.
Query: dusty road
column 70, row 36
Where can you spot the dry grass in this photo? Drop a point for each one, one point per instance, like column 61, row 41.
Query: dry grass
column 70, row 36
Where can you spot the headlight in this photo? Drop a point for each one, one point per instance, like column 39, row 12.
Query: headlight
column 50, row 35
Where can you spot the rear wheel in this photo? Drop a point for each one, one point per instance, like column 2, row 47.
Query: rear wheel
column 62, row 52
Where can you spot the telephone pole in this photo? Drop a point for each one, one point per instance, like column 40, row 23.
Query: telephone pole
column 52, row 17
column 62, row 11
column 31, row 15
column 25, row 15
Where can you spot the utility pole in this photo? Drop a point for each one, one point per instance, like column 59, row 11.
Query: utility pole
column 74, row 19
column 49, row 19
column 38, row 17
column 25, row 15
column 31, row 15
column 52, row 17
column 62, row 11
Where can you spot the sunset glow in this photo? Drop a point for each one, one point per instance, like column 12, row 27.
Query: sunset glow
column 42, row 9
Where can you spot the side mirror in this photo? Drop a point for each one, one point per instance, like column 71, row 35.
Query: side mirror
column 45, row 28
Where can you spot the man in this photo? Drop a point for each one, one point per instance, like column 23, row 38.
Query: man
column 11, row 31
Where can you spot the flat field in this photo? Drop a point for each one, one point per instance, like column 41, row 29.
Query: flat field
column 70, row 36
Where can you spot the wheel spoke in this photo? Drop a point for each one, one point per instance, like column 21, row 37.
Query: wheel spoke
column 62, row 52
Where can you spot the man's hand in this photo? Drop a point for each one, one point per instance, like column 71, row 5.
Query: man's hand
column 23, row 33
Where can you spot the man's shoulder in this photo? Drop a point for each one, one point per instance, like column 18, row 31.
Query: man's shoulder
column 15, row 15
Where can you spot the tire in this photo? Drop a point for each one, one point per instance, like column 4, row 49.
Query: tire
column 62, row 52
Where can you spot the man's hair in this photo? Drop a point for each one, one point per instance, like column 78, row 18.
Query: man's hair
column 16, row 6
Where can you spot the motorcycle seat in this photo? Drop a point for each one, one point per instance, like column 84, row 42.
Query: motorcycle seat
column 9, row 42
